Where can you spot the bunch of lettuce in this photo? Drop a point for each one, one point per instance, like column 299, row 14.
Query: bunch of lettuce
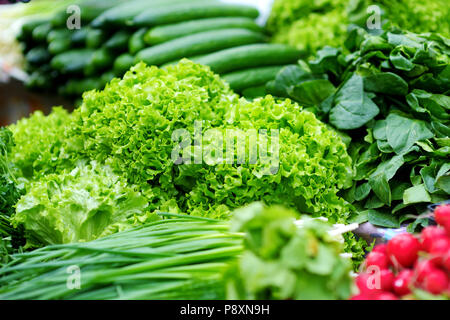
column 129, row 126
column 391, row 95
column 40, row 144
column 78, row 206
column 127, row 130
column 413, row 15
column 284, row 261
column 308, row 25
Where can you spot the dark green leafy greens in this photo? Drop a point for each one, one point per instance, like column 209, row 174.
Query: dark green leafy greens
column 9, row 194
column 390, row 94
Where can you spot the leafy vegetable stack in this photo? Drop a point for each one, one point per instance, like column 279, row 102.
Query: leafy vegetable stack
column 391, row 95
column 9, row 194
column 284, row 261
column 412, row 15
column 78, row 206
column 308, row 25
column 187, row 257
column 129, row 126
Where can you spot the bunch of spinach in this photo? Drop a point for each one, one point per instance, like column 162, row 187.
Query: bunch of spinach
column 390, row 94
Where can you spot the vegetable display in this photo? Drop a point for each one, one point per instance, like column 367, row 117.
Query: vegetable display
column 140, row 148
column 410, row 267
column 311, row 25
column 185, row 257
column 206, row 151
column 115, row 35
column 390, row 94
column 308, row 25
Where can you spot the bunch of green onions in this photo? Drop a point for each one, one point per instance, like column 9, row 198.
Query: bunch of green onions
column 178, row 258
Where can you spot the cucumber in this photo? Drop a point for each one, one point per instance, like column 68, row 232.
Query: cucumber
column 243, row 79
column 165, row 33
column 95, row 38
column 136, row 42
column 40, row 33
column 101, row 59
column 123, row 14
column 42, row 77
column 38, row 56
column 123, row 63
column 79, row 36
column 59, row 34
column 37, row 80
column 26, row 32
column 171, row 63
column 250, row 56
column 107, row 77
column 254, row 92
column 191, row 11
column 197, row 44
column 58, row 46
column 76, row 87
column 89, row 11
column 73, row 61
column 119, row 41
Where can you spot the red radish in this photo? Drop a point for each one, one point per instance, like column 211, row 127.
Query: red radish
column 386, row 280
column 367, row 284
column 439, row 249
column 386, row 296
column 380, row 248
column 431, row 234
column 442, row 214
column 422, row 269
column 436, row 282
column 403, row 249
column 403, row 281
column 446, row 263
column 362, row 281
column 377, row 259
column 447, row 227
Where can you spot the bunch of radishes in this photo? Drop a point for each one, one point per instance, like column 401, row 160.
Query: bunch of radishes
column 395, row 270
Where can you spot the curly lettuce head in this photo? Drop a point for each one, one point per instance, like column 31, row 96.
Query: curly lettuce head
column 417, row 15
column 130, row 127
column 39, row 143
column 316, row 31
column 78, row 206
column 306, row 172
column 285, row 12
column 308, row 25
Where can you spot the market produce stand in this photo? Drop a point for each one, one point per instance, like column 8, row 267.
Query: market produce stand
column 210, row 150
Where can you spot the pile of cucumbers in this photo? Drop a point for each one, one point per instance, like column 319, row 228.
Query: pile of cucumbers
column 116, row 34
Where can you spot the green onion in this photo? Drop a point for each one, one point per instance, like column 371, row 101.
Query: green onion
column 178, row 258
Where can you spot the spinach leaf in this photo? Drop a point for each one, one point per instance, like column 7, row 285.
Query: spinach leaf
column 353, row 108
column 402, row 133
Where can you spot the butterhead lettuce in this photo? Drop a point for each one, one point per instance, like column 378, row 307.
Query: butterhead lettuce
column 80, row 205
